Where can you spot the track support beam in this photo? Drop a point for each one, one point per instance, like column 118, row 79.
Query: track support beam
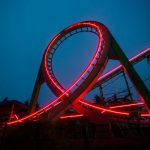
column 139, row 85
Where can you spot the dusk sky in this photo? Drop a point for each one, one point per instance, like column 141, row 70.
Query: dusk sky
column 27, row 26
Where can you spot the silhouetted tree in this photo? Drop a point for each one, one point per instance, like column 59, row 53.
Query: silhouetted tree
column 5, row 99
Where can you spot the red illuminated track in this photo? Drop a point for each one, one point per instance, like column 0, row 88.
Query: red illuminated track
column 114, row 72
column 125, row 120
column 88, row 77
column 72, row 116
column 102, row 109
column 71, row 97
column 126, row 105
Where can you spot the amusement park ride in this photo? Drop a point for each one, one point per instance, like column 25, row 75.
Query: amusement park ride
column 90, row 78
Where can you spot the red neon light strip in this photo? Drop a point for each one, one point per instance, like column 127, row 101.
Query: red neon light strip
column 104, row 109
column 46, row 68
column 71, row 116
column 16, row 116
column 126, row 105
column 145, row 115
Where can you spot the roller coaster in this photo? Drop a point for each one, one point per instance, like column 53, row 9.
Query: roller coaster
column 90, row 78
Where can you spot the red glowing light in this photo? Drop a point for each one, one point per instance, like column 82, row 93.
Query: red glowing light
column 16, row 116
column 126, row 105
column 145, row 115
column 71, row 116
column 104, row 109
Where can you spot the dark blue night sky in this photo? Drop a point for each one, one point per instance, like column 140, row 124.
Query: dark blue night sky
column 27, row 26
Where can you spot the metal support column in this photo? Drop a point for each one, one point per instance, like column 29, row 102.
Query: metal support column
column 139, row 85
column 35, row 94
